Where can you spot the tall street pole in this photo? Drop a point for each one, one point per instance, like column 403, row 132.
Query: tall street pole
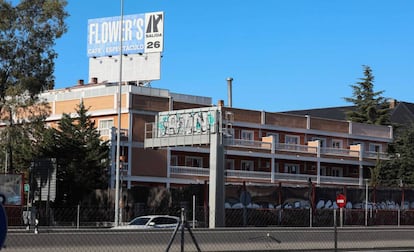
column 118, row 133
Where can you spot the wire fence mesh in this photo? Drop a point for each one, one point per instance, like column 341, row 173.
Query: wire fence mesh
column 240, row 217
column 246, row 229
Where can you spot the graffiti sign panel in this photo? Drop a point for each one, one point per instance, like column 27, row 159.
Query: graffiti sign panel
column 186, row 122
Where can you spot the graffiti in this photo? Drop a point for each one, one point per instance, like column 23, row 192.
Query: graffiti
column 186, row 123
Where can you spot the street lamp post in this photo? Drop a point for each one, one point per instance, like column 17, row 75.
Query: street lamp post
column 118, row 135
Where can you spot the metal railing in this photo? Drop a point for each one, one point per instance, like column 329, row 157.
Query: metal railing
column 262, row 175
column 191, row 171
column 339, row 152
column 248, row 174
column 247, row 143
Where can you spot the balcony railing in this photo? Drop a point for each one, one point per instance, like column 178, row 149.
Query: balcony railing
column 247, row 143
column 248, row 174
column 191, row 171
column 260, row 175
column 339, row 152
column 376, row 155
column 297, row 148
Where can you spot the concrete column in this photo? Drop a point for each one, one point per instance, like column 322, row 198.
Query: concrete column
column 318, row 165
column 216, row 187
column 168, row 168
column 272, row 162
column 361, row 167
column 113, row 154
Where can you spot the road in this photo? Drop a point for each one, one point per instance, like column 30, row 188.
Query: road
column 237, row 239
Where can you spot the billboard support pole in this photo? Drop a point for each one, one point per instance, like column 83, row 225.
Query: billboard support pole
column 118, row 133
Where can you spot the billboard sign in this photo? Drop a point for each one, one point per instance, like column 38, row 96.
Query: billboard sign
column 187, row 122
column 141, row 33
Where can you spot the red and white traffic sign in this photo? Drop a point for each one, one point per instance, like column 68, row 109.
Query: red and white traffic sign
column 341, row 200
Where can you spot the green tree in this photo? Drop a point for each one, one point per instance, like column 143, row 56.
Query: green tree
column 370, row 106
column 400, row 168
column 27, row 36
column 24, row 137
column 82, row 157
column 28, row 31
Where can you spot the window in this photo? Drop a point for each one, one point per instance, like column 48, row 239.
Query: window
column 174, row 160
column 324, row 171
column 194, row 161
column 292, row 168
column 337, row 143
column 247, row 165
column 337, row 172
column 247, row 135
column 375, row 147
column 104, row 127
column 164, row 220
column 229, row 164
column 291, row 141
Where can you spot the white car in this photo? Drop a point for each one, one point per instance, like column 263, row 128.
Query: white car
column 151, row 221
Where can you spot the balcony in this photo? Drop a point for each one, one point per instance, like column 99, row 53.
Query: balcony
column 376, row 155
column 296, row 148
column 189, row 171
column 311, row 148
column 259, row 176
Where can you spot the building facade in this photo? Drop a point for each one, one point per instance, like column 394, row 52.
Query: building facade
column 261, row 148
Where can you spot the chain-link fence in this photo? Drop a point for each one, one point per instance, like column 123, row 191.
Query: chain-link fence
column 256, row 219
column 79, row 216
column 247, row 229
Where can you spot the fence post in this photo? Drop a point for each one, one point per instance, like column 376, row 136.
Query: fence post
column 310, row 217
column 194, row 209
column 398, row 216
column 78, row 217
column 335, row 231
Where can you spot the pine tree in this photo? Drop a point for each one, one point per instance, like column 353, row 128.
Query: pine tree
column 81, row 156
column 400, row 167
column 371, row 107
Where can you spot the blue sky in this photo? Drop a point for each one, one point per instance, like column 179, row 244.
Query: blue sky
column 282, row 55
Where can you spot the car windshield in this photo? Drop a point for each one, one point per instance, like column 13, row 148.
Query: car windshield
column 140, row 221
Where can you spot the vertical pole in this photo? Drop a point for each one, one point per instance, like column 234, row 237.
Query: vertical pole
column 5, row 162
column 366, row 202
column 118, row 133
column 335, row 232
column 28, row 219
column 310, row 216
column 194, row 209
column 183, row 222
column 399, row 216
column 10, row 163
column 318, row 163
column 78, row 217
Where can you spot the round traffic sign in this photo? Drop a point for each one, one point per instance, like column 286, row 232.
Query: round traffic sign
column 341, row 200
